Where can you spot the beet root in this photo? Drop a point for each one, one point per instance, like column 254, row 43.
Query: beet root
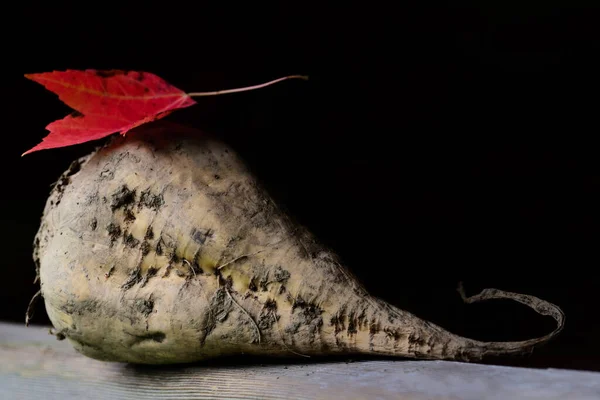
column 162, row 247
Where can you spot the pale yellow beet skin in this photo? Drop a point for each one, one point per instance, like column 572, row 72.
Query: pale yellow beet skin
column 163, row 248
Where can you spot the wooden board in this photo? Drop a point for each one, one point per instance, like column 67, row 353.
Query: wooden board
column 34, row 365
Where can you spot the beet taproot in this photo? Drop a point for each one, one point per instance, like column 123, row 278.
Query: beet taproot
column 162, row 247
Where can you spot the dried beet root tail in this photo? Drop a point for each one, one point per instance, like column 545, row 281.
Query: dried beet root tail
column 412, row 337
column 473, row 349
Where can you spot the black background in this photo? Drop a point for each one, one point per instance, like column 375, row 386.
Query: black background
column 430, row 145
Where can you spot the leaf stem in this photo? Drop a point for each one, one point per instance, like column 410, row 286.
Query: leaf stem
column 247, row 88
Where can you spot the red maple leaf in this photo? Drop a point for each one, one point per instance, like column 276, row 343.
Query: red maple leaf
column 112, row 101
column 106, row 102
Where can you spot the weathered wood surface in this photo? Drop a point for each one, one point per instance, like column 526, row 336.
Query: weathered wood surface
column 34, row 365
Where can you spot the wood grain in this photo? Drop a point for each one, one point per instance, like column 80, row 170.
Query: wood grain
column 34, row 365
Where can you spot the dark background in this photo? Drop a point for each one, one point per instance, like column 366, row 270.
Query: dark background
column 430, row 145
